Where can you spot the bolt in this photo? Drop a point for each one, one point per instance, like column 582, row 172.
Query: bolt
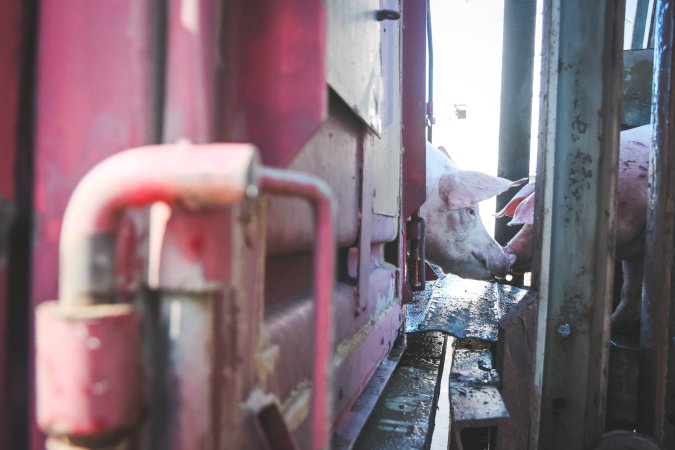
column 564, row 329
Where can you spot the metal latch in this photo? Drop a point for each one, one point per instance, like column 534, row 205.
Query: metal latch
column 415, row 231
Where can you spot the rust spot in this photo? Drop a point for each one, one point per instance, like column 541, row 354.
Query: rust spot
column 579, row 125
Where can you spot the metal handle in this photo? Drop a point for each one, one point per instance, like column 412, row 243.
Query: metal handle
column 387, row 14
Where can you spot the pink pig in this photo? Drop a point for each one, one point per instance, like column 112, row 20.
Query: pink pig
column 631, row 220
column 456, row 238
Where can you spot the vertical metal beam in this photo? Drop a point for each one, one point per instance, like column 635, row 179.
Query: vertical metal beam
column 659, row 235
column 641, row 27
column 581, row 81
column 413, row 112
column 515, row 118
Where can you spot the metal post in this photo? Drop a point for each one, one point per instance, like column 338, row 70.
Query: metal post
column 516, row 101
column 659, row 234
column 576, row 209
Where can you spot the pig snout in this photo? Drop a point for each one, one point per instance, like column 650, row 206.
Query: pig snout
column 519, row 248
column 495, row 262
column 456, row 238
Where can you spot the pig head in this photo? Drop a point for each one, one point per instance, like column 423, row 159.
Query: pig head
column 456, row 239
column 631, row 221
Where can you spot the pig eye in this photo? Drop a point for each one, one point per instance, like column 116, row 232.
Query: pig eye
column 471, row 211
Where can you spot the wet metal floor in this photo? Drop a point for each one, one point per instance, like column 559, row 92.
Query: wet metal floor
column 461, row 308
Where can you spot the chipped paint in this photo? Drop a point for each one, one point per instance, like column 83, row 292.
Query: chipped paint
column 297, row 406
column 348, row 346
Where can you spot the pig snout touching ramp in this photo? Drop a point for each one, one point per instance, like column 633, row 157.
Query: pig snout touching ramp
column 456, row 239
column 630, row 228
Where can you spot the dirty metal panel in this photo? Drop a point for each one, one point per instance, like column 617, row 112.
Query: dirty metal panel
column 353, row 62
column 387, row 151
column 475, row 400
column 332, row 155
column 637, row 87
column 576, row 219
column 404, row 414
column 462, row 308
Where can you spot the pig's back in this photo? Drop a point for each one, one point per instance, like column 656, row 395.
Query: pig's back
column 633, row 175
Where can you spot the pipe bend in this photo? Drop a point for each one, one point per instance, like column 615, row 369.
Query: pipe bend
column 191, row 175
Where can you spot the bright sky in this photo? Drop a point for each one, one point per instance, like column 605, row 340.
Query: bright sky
column 467, row 70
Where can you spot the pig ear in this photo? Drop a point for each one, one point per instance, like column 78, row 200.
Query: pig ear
column 510, row 208
column 524, row 213
column 445, row 152
column 464, row 188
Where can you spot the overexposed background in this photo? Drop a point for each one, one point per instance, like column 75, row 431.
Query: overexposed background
column 467, row 37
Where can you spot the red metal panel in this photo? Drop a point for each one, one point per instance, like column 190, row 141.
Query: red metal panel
column 413, row 112
column 275, row 87
column 94, row 97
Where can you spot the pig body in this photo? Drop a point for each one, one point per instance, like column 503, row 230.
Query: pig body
column 456, row 239
column 632, row 181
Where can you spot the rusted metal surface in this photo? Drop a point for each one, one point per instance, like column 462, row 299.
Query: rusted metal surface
column 575, row 219
column 413, row 110
column 317, row 192
column 270, row 96
column 462, row 308
column 514, row 361
column 657, row 311
column 515, row 120
column 405, row 413
column 475, row 400
column 88, row 371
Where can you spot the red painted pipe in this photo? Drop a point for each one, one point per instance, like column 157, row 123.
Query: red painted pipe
column 192, row 175
column 88, row 355
column 275, row 181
